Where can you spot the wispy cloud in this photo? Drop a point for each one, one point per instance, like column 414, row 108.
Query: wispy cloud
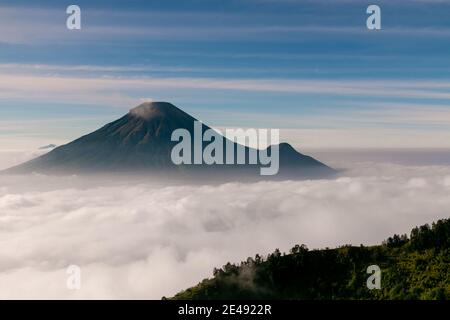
column 345, row 123
column 25, row 25
column 92, row 89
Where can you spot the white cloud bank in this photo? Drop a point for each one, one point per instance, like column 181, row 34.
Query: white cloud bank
column 140, row 240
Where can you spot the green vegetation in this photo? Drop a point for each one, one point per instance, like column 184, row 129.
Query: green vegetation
column 411, row 268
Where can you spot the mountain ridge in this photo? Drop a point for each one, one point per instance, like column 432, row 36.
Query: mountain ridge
column 141, row 141
column 412, row 268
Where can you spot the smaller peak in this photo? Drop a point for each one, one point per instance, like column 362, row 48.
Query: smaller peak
column 285, row 146
column 148, row 110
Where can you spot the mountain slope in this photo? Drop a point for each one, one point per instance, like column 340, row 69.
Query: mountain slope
column 414, row 268
column 141, row 141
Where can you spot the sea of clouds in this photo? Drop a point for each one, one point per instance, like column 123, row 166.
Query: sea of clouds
column 145, row 240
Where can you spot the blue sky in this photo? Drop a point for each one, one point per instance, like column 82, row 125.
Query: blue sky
column 309, row 67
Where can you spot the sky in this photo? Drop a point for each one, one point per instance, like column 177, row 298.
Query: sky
column 310, row 68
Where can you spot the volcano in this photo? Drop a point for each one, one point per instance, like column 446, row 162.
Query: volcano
column 140, row 142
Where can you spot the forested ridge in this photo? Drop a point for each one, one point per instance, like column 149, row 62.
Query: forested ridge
column 412, row 267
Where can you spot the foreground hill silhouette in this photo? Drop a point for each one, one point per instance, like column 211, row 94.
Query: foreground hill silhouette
column 140, row 142
column 411, row 268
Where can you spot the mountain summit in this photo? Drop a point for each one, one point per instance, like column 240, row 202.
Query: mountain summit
column 140, row 142
column 158, row 110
